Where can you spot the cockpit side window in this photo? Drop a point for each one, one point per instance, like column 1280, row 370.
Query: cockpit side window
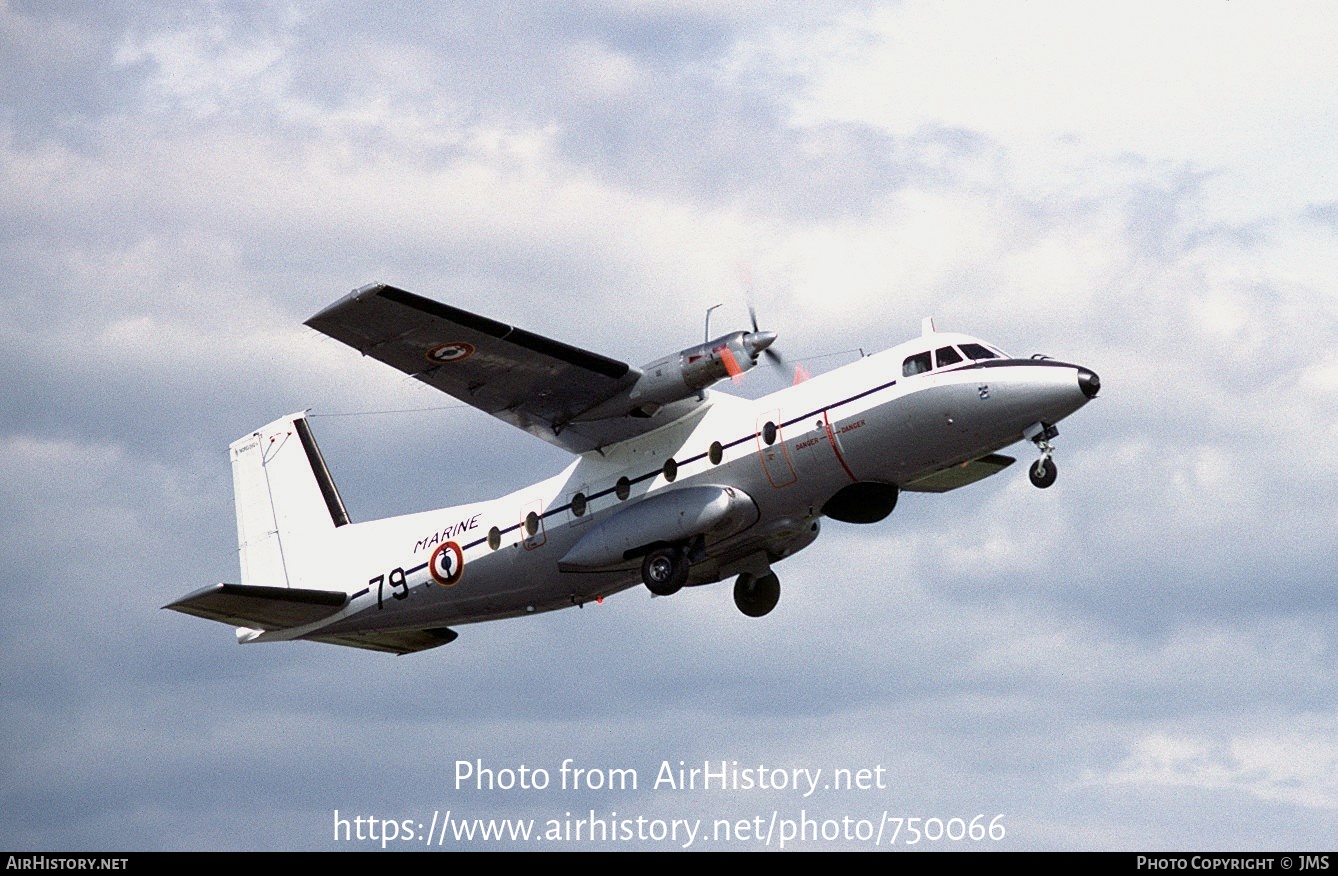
column 946, row 356
column 917, row 364
column 976, row 351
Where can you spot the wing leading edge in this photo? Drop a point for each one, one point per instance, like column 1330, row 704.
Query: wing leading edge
column 532, row 382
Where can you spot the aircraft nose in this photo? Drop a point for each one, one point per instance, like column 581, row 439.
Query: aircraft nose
column 1088, row 382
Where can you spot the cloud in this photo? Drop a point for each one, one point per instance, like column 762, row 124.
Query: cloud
column 1295, row 768
column 1141, row 656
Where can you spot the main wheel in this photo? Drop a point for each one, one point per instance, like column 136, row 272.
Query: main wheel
column 756, row 596
column 664, row 571
column 1043, row 473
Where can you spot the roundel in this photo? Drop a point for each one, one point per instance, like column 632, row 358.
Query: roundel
column 452, row 352
column 447, row 563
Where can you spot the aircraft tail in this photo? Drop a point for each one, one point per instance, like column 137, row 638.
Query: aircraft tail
column 287, row 506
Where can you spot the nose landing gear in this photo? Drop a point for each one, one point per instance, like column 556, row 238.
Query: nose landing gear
column 1043, row 471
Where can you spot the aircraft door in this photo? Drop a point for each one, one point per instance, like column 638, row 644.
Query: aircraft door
column 810, row 441
column 817, row 451
column 772, row 452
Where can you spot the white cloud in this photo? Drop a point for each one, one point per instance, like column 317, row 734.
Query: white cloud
column 1217, row 85
column 1104, row 184
column 601, row 72
column 1297, row 767
column 205, row 70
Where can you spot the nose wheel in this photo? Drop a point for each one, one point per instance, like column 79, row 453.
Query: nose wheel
column 1043, row 471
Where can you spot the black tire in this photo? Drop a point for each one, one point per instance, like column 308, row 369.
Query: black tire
column 1043, row 473
column 756, row 597
column 664, row 571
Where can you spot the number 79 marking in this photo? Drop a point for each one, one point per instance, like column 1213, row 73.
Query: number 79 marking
column 399, row 586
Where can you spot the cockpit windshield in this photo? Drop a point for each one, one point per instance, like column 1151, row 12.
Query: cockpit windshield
column 979, row 351
column 917, row 364
column 945, row 356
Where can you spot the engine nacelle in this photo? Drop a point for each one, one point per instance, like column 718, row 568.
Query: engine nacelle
column 687, row 372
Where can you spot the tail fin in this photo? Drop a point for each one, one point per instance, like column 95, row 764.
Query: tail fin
column 287, row 506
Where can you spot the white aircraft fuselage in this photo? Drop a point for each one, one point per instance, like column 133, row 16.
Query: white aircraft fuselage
column 728, row 488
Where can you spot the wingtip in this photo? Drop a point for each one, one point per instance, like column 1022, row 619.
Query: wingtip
column 357, row 294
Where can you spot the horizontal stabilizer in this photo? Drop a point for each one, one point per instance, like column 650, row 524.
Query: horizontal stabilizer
column 395, row 641
column 265, row 608
column 961, row 475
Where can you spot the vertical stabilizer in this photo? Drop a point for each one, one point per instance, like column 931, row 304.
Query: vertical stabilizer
column 287, row 506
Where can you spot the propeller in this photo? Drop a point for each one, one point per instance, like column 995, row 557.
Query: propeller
column 763, row 343
column 731, row 349
column 760, row 342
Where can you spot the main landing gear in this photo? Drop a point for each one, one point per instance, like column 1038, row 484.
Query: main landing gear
column 664, row 571
column 1043, row 471
column 756, row 595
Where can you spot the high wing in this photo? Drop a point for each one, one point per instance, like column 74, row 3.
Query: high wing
column 535, row 383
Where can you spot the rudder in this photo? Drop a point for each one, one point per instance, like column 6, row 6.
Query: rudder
column 287, row 505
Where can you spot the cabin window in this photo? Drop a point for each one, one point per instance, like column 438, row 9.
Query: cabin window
column 769, row 433
column 976, row 351
column 531, row 523
column 716, row 453
column 917, row 364
column 946, row 356
column 494, row 538
column 670, row 469
column 578, row 504
column 623, row 489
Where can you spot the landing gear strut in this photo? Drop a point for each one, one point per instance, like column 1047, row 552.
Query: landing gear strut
column 665, row 570
column 755, row 596
column 1043, row 471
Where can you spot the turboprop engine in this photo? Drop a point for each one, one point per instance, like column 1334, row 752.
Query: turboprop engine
column 680, row 375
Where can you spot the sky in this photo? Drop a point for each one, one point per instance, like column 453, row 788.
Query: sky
column 1144, row 656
